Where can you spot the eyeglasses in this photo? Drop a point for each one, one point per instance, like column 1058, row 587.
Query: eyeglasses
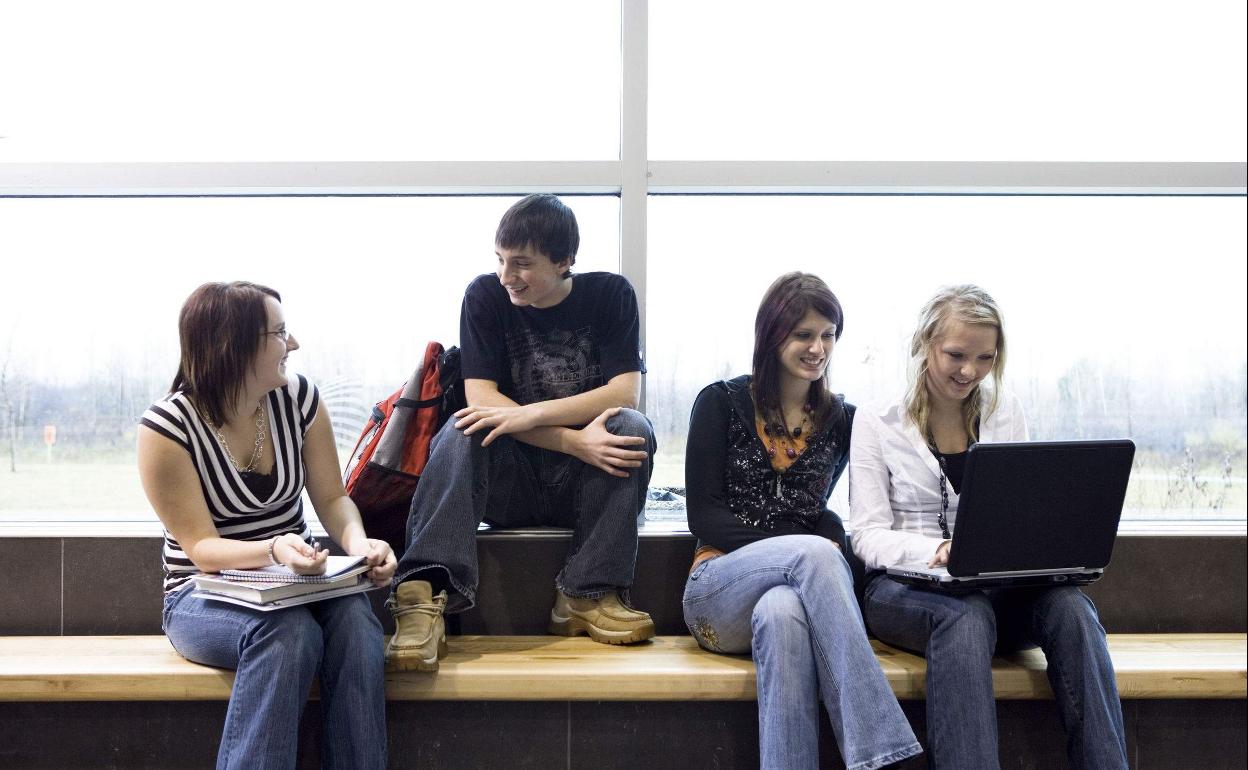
column 281, row 334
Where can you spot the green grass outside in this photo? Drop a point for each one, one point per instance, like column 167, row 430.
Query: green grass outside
column 112, row 489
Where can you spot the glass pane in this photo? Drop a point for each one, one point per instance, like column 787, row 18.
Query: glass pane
column 979, row 80
column 147, row 80
column 88, row 324
column 1125, row 316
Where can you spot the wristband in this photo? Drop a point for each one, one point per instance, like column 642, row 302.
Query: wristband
column 273, row 558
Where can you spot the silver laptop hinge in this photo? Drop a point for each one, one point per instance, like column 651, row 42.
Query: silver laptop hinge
column 1057, row 571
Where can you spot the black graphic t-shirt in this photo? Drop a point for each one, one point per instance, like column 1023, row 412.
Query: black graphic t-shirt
column 537, row 354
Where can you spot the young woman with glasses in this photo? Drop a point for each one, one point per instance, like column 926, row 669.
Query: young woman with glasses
column 224, row 460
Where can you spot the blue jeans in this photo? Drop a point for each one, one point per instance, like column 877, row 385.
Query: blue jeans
column 276, row 655
column 958, row 634
column 790, row 601
column 513, row 484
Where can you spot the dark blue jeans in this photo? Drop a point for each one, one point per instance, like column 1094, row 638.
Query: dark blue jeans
column 958, row 634
column 276, row 655
column 513, row 484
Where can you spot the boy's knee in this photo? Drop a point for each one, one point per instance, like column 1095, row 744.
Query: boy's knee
column 630, row 422
column 451, row 442
column 448, row 435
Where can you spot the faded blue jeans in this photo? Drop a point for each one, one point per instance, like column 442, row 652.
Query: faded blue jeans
column 958, row 634
column 790, row 601
column 276, row 655
column 513, row 484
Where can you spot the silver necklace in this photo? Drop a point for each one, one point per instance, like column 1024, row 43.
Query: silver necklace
column 255, row 452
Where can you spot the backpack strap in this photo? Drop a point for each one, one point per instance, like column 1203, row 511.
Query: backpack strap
column 414, row 404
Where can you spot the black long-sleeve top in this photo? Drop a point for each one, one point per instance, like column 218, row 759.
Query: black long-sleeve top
column 735, row 497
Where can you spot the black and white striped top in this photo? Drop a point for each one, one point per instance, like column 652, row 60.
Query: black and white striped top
column 236, row 511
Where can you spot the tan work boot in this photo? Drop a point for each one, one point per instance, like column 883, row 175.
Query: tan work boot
column 606, row 619
column 419, row 629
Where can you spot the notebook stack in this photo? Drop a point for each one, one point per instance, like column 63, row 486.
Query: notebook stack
column 272, row 588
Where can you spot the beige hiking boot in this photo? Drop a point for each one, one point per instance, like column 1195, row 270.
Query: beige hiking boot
column 419, row 629
column 606, row 619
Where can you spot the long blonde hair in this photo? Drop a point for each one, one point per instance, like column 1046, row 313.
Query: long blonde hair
column 971, row 305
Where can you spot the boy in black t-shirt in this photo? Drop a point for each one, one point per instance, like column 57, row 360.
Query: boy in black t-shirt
column 552, row 374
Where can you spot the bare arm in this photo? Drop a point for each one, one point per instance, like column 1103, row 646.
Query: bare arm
column 333, row 507
column 172, row 486
column 624, row 390
column 555, row 424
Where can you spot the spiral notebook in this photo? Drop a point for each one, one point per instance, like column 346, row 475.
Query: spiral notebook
column 336, row 568
column 274, row 596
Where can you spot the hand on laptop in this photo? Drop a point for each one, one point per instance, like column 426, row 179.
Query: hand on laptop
column 941, row 557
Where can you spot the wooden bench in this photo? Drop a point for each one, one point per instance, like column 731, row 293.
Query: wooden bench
column 547, row 668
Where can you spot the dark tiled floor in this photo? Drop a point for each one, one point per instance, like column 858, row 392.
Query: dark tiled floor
column 1202, row 734
column 138, row 736
column 1029, row 736
column 1194, row 584
column 517, row 587
column 112, row 586
column 30, row 577
column 655, row 736
column 477, row 735
column 659, row 581
column 664, row 735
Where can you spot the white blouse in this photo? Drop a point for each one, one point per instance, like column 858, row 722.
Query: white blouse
column 894, row 482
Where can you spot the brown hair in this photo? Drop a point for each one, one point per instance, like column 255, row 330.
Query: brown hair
column 220, row 329
column 968, row 304
column 784, row 305
column 542, row 222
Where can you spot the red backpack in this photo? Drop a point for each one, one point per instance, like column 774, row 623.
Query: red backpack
column 393, row 449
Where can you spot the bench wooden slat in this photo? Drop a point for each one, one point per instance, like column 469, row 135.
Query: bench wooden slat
column 548, row 668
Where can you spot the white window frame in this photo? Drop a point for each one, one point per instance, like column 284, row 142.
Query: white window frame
column 633, row 177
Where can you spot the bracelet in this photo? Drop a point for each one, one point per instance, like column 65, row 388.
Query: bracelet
column 273, row 558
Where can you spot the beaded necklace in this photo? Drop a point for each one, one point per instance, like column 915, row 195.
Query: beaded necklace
column 772, row 431
column 942, row 518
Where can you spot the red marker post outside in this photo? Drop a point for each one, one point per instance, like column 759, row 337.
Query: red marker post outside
column 49, row 438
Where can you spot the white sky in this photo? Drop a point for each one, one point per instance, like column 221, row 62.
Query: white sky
column 87, row 283
column 1155, row 282
column 132, row 80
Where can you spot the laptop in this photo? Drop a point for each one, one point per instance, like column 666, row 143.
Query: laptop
column 1033, row 513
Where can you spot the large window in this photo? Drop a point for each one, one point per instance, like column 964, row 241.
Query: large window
column 1124, row 315
column 287, row 80
column 1085, row 164
column 974, row 80
column 88, row 328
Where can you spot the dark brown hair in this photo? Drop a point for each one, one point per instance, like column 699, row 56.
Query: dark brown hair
column 784, row 305
column 541, row 222
column 220, row 329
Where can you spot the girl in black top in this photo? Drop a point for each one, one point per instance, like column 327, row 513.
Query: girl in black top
column 769, row 576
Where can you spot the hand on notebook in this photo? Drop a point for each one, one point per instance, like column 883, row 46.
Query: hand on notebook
column 941, row 557
column 301, row 558
column 379, row 556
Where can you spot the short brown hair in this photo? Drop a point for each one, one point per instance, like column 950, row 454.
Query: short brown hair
column 220, row 329
column 541, row 222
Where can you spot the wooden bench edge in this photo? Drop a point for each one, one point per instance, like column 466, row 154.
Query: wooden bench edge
column 545, row 669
